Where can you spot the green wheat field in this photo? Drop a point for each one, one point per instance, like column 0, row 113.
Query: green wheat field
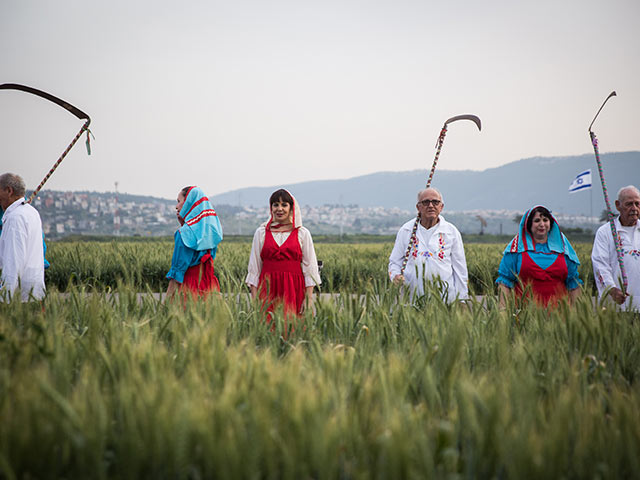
column 101, row 382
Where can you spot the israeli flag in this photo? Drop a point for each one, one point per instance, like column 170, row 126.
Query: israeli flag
column 581, row 182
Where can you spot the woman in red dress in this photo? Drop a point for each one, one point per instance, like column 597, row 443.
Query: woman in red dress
column 283, row 268
column 195, row 245
column 539, row 258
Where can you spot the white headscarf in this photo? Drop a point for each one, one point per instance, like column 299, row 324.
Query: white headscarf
column 295, row 217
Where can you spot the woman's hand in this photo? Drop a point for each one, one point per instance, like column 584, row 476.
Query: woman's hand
column 503, row 293
column 573, row 295
column 172, row 289
column 254, row 291
column 398, row 279
column 308, row 300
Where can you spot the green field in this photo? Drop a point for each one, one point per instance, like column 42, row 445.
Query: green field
column 369, row 386
column 347, row 266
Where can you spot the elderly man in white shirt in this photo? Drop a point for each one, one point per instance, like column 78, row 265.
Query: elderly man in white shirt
column 21, row 247
column 438, row 252
column 606, row 269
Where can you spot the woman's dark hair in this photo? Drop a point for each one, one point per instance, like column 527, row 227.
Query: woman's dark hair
column 281, row 195
column 543, row 212
column 185, row 190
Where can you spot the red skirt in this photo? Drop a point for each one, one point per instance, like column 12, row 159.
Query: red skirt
column 282, row 282
column 548, row 286
column 200, row 280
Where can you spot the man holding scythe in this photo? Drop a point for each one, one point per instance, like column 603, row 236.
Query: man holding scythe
column 437, row 253
column 429, row 245
column 606, row 268
column 22, row 243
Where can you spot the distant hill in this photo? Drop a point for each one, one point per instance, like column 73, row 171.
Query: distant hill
column 514, row 186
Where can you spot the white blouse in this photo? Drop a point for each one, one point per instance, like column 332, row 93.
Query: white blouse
column 309, row 259
column 606, row 269
column 438, row 253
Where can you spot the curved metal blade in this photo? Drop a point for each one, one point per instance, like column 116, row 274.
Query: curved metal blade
column 612, row 94
column 67, row 106
column 473, row 118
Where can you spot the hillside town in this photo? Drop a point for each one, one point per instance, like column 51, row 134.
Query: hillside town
column 92, row 213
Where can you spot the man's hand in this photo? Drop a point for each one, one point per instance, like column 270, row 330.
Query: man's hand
column 617, row 295
column 398, row 279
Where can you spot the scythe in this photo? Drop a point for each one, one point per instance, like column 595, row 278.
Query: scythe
column 67, row 106
column 439, row 144
column 610, row 214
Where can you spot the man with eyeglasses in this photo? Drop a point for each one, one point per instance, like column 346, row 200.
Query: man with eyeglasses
column 437, row 254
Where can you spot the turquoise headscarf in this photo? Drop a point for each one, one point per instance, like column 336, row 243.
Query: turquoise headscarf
column 556, row 240
column 201, row 229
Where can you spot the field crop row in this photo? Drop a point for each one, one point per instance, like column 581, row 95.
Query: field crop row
column 104, row 386
column 350, row 267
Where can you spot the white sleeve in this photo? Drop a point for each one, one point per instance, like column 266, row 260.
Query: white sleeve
column 459, row 266
column 309, row 259
column 13, row 252
column 603, row 271
column 397, row 254
column 255, row 262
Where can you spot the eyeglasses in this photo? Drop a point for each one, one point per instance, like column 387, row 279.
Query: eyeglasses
column 425, row 203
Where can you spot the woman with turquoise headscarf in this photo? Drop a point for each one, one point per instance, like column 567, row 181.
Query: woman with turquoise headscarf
column 195, row 245
column 539, row 259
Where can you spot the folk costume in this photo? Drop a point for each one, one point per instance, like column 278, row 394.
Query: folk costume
column 283, row 263
column 21, row 252
column 550, row 269
column 195, row 245
column 606, row 269
column 438, row 254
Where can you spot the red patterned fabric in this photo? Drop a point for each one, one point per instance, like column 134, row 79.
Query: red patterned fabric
column 201, row 280
column 281, row 278
column 548, row 286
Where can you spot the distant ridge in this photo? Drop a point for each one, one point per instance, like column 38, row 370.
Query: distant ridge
column 515, row 186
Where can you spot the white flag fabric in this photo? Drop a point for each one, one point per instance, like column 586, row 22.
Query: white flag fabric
column 581, row 182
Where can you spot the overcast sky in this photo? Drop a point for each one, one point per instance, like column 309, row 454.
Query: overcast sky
column 256, row 92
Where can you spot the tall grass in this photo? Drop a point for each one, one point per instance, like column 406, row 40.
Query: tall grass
column 352, row 267
column 118, row 386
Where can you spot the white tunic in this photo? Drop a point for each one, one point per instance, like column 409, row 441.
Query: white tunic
column 309, row 260
column 21, row 252
column 606, row 269
column 438, row 253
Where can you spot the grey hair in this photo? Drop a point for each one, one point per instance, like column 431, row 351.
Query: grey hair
column 15, row 182
column 628, row 189
column 433, row 189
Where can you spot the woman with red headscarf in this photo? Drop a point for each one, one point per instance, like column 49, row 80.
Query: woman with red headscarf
column 283, row 267
column 196, row 243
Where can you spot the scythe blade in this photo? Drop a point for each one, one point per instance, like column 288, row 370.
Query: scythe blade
column 68, row 107
column 473, row 118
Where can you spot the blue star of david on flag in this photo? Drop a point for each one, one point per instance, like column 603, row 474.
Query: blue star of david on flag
column 581, row 182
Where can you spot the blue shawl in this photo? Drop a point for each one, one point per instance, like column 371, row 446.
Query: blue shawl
column 201, row 229
column 556, row 240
